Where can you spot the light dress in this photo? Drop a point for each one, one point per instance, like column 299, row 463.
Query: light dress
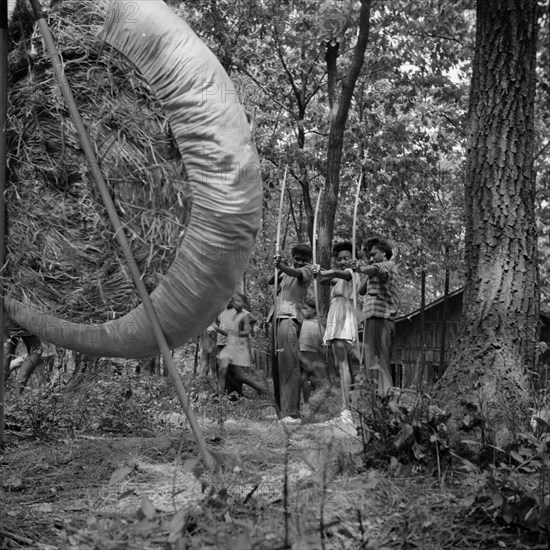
column 237, row 348
column 342, row 316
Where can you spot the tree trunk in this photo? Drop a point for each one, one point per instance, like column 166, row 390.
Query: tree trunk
column 486, row 383
column 339, row 116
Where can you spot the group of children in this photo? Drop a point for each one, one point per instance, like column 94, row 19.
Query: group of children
column 341, row 331
column 299, row 339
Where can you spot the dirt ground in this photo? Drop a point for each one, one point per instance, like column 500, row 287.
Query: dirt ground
column 151, row 493
column 301, row 487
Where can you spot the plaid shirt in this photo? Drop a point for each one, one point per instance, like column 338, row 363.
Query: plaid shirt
column 382, row 297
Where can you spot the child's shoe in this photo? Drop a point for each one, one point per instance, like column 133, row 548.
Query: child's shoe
column 291, row 420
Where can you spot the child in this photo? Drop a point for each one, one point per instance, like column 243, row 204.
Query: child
column 341, row 331
column 292, row 291
column 234, row 355
column 381, row 291
column 312, row 356
column 218, row 330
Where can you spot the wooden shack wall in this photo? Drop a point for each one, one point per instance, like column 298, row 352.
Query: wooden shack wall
column 407, row 350
column 407, row 370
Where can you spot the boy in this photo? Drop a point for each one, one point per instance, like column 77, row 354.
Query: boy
column 292, row 290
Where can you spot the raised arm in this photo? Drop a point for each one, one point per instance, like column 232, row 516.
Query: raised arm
column 373, row 269
column 288, row 270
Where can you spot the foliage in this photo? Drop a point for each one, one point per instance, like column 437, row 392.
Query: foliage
column 411, row 113
column 405, row 129
column 41, row 411
column 102, row 402
column 542, row 156
column 507, row 484
column 403, row 426
column 513, row 487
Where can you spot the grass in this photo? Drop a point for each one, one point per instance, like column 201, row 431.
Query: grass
column 86, row 485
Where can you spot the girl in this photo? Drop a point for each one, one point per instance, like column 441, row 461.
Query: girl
column 235, row 354
column 341, row 331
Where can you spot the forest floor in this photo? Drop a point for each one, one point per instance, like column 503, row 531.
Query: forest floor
column 303, row 487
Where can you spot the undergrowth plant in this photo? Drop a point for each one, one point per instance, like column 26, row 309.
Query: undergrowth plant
column 103, row 401
column 514, row 488
column 510, row 480
column 41, row 412
column 404, row 424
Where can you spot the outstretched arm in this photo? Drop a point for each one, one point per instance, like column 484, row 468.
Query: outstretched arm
column 379, row 270
column 287, row 270
column 329, row 274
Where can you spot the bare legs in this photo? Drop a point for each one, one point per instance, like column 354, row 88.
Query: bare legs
column 223, row 365
column 237, row 374
column 341, row 360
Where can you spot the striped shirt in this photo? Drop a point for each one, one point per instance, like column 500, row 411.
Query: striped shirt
column 382, row 297
column 225, row 319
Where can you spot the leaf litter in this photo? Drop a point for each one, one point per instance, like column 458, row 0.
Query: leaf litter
column 107, row 492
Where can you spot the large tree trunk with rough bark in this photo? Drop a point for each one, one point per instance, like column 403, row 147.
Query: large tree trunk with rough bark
column 486, row 384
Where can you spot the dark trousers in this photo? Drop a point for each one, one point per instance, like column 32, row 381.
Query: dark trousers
column 287, row 379
column 379, row 336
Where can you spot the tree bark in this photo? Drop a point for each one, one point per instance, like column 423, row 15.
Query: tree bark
column 339, row 116
column 487, row 377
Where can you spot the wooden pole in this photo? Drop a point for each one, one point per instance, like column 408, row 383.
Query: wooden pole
column 354, row 234
column 3, row 184
column 420, row 374
column 119, row 231
column 353, row 256
column 445, row 315
column 196, row 358
column 314, row 257
column 275, row 367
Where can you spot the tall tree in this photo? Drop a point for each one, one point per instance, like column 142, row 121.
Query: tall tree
column 340, row 106
column 488, row 375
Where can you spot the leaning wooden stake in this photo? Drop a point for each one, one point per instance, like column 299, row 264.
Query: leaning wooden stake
column 119, row 231
column 3, row 182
